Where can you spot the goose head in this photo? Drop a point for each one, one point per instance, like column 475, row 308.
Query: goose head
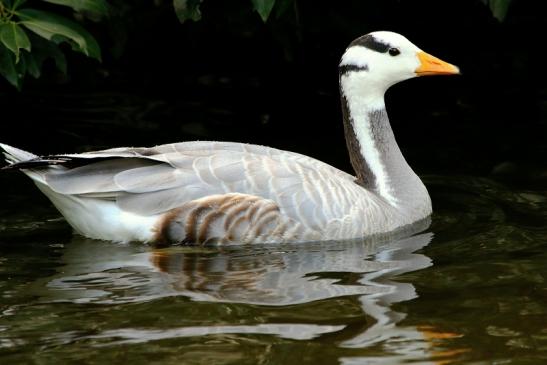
column 374, row 62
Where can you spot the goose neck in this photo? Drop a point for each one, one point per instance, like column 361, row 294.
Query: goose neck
column 375, row 156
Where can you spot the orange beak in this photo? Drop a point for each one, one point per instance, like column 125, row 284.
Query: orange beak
column 430, row 65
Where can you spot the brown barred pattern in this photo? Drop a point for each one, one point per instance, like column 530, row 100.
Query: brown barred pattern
column 228, row 218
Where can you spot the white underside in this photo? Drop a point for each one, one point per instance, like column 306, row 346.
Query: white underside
column 102, row 219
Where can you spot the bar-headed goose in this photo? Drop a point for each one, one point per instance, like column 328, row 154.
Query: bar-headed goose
column 206, row 192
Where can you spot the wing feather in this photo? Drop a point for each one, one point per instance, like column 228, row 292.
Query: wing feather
column 160, row 201
column 97, row 177
column 153, row 180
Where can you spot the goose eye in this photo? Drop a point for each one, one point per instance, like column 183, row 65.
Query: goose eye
column 394, row 51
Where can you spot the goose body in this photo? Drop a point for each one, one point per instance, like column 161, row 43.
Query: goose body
column 216, row 192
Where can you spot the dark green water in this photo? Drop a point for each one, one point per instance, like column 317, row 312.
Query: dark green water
column 470, row 289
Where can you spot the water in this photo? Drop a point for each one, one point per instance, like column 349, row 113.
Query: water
column 469, row 289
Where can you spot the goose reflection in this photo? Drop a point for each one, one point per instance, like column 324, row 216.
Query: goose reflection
column 359, row 272
column 294, row 274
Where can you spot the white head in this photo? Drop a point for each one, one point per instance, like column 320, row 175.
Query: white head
column 378, row 60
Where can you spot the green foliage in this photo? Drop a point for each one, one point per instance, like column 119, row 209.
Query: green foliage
column 7, row 67
column 498, row 7
column 57, row 29
column 14, row 38
column 187, row 10
column 263, row 8
column 29, row 36
column 94, row 9
column 33, row 31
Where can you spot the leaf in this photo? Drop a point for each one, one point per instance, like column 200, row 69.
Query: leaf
column 264, row 8
column 42, row 50
column 98, row 8
column 187, row 10
column 7, row 67
column 14, row 38
column 33, row 67
column 51, row 26
column 18, row 3
column 498, row 8
column 21, row 67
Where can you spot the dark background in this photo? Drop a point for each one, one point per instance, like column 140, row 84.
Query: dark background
column 232, row 77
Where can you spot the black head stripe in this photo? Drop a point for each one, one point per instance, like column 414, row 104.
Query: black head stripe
column 372, row 43
column 344, row 69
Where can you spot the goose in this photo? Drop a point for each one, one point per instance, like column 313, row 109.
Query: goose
column 207, row 192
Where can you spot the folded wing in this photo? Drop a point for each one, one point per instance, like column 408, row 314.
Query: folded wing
column 149, row 181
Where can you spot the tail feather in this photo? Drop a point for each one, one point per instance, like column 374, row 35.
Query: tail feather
column 14, row 155
column 17, row 158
